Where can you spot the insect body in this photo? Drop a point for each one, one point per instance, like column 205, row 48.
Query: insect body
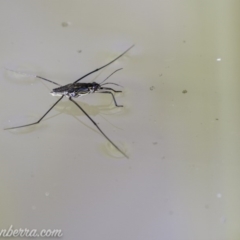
column 76, row 89
column 80, row 89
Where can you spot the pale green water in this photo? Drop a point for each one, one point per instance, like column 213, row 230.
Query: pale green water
column 180, row 125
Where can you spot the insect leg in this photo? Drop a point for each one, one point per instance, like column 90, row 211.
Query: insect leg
column 111, row 83
column 40, row 118
column 48, row 80
column 103, row 66
column 113, row 98
column 106, row 88
column 98, row 127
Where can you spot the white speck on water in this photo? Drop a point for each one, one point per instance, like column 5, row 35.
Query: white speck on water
column 47, row 194
column 223, row 219
column 219, row 195
column 219, row 59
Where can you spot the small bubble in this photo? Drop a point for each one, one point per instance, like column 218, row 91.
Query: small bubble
column 184, row 91
column 47, row 194
column 219, row 59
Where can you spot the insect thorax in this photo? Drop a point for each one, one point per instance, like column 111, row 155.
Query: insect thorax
column 75, row 90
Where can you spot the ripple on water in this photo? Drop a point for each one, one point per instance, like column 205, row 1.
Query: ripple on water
column 110, row 150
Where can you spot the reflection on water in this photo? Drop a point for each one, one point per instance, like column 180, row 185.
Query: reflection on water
column 111, row 151
column 21, row 74
column 65, row 107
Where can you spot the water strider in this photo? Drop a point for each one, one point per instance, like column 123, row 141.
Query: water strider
column 77, row 89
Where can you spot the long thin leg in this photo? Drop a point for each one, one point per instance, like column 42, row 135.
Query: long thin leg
column 111, row 89
column 31, row 75
column 111, row 83
column 98, row 127
column 113, row 98
column 48, row 80
column 102, row 66
column 40, row 118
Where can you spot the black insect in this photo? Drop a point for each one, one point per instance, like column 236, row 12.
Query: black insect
column 76, row 89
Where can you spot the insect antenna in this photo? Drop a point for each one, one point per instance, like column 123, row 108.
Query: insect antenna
column 102, row 66
column 110, row 76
